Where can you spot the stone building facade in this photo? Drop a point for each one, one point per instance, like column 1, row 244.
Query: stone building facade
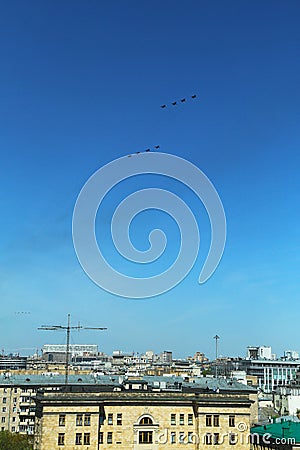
column 142, row 417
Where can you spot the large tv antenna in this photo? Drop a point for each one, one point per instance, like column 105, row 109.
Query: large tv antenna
column 68, row 328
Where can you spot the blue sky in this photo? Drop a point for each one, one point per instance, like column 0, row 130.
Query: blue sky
column 81, row 83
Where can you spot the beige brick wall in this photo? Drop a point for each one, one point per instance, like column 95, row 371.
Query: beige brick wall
column 125, row 436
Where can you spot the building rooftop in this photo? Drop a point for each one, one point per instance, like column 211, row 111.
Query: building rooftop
column 284, row 429
column 153, row 382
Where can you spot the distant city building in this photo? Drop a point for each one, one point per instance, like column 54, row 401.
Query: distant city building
column 12, row 362
column 166, row 357
column 74, row 349
column 291, row 354
column 57, row 352
column 200, row 357
column 262, row 352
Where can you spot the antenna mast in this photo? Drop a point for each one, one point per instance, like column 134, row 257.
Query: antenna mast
column 68, row 329
column 216, row 337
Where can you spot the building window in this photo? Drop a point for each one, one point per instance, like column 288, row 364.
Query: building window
column 208, row 420
column 78, row 439
column 145, row 437
column 216, row 438
column 87, row 420
column 14, row 419
column 216, row 421
column 208, row 439
column 173, row 419
column 13, row 429
column 146, row 421
column 4, row 409
column 173, row 437
column 181, row 419
column 109, row 437
column 181, row 437
column 86, row 439
column 61, row 439
column 232, row 421
column 119, row 419
column 5, row 390
column 4, row 400
column 232, row 438
column 15, row 390
column 190, row 419
column 110, row 419
column 14, row 409
column 62, row 420
column 79, row 418
column 3, row 420
column 190, row 437
column 101, row 437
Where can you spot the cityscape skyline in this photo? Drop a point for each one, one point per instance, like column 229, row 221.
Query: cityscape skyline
column 82, row 86
column 289, row 353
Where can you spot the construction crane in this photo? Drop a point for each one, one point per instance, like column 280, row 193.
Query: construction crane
column 68, row 329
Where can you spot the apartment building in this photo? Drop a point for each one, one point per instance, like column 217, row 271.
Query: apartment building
column 17, row 396
column 146, row 414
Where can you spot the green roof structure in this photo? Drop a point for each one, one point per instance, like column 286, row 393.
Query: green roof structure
column 283, row 434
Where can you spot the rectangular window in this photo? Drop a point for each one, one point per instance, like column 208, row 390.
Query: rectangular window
column 119, row 419
column 190, row 419
column 78, row 439
column 101, row 437
column 62, row 420
column 4, row 400
column 208, row 439
column 232, row 421
column 209, row 420
column 5, row 390
column 14, row 419
column 190, row 437
column 110, row 419
column 173, row 437
column 3, row 420
column 86, row 439
column 4, row 409
column 87, row 420
column 181, row 437
column 13, row 429
column 232, row 438
column 15, row 390
column 216, row 438
column 79, row 419
column 14, row 409
column 145, row 437
column 181, row 419
column 109, row 437
column 61, row 439
column 216, row 421
column 173, row 419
